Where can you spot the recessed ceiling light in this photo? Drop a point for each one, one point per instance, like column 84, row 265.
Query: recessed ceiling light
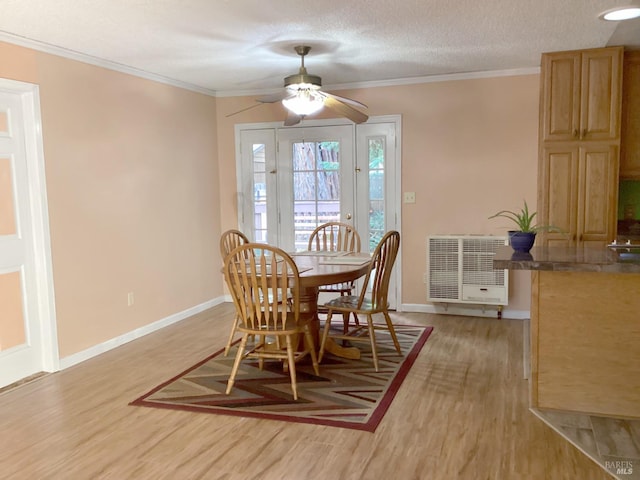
column 621, row 13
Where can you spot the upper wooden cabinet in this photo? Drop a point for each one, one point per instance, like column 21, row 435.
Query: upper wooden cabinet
column 630, row 137
column 581, row 95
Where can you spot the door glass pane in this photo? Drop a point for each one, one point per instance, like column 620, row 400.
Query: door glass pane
column 7, row 215
column 259, row 193
column 316, row 187
column 376, row 146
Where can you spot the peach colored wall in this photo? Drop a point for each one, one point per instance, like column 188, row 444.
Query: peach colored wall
column 132, row 179
column 18, row 63
column 469, row 149
column 137, row 197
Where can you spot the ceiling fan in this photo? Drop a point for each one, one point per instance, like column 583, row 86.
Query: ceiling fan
column 303, row 96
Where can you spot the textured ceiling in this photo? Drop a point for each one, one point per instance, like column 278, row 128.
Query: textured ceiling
column 246, row 46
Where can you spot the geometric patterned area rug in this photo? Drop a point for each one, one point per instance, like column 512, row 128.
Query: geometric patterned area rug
column 348, row 393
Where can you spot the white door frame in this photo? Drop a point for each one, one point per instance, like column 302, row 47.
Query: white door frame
column 41, row 242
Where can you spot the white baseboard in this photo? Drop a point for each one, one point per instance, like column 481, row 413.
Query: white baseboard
column 91, row 352
column 489, row 311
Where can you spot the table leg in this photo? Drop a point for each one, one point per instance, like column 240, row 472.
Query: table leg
column 332, row 347
column 309, row 309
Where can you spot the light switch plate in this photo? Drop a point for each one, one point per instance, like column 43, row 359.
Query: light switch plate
column 409, row 197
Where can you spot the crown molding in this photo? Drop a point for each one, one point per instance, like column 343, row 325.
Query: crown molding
column 99, row 62
column 449, row 77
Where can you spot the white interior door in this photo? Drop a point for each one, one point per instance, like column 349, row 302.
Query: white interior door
column 23, row 347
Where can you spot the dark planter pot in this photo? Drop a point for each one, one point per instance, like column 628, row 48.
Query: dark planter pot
column 521, row 256
column 521, row 241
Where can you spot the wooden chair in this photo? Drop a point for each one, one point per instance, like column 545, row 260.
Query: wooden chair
column 229, row 240
column 379, row 275
column 336, row 237
column 257, row 275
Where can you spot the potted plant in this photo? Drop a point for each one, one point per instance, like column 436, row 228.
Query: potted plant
column 522, row 239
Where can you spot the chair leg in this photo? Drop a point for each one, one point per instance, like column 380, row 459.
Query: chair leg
column 325, row 334
column 345, row 321
column 236, row 321
column 355, row 315
column 392, row 331
column 262, row 344
column 312, row 350
column 236, row 363
column 372, row 336
column 292, row 367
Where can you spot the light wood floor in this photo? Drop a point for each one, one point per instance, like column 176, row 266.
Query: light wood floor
column 461, row 413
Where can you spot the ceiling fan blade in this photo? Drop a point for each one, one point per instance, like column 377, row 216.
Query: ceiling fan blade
column 350, row 101
column 244, row 109
column 273, row 98
column 292, row 119
column 345, row 110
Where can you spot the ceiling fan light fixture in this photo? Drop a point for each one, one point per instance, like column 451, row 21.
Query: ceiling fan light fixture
column 306, row 100
column 621, row 13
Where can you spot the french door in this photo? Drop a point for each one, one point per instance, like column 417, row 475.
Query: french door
column 315, row 181
column 293, row 179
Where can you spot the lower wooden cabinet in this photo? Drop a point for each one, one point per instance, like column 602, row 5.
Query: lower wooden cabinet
column 585, row 333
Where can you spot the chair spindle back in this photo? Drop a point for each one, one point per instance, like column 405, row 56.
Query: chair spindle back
column 379, row 274
column 335, row 237
column 230, row 240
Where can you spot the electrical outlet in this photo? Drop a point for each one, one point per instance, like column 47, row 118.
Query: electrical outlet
column 130, row 299
column 409, row 197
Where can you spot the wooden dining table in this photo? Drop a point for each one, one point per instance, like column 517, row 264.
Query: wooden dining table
column 327, row 268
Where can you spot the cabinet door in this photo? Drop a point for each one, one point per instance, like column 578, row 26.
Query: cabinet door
column 557, row 202
column 598, row 195
column 601, row 94
column 630, row 136
column 581, row 95
column 560, row 96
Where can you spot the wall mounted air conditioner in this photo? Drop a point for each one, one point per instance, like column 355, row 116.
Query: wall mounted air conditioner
column 460, row 270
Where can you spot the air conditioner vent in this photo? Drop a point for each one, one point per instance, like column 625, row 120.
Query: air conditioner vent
column 443, row 258
column 460, row 270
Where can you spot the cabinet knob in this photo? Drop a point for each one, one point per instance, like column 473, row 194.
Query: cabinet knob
column 575, row 132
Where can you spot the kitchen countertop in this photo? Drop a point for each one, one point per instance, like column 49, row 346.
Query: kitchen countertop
column 561, row 259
